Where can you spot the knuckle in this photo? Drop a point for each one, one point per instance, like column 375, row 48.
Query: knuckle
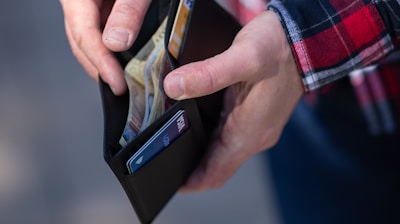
column 271, row 138
column 208, row 77
column 79, row 40
column 75, row 51
column 128, row 8
column 75, row 36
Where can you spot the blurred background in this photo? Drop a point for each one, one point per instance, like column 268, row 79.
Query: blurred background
column 51, row 165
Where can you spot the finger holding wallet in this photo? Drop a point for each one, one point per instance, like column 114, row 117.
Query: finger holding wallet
column 97, row 28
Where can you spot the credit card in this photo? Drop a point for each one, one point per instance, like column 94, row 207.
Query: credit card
column 169, row 132
column 179, row 27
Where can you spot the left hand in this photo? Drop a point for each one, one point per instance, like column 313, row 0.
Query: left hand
column 265, row 86
column 92, row 45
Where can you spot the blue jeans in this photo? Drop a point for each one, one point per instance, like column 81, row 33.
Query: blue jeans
column 327, row 168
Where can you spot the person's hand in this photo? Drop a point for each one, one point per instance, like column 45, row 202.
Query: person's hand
column 92, row 45
column 265, row 86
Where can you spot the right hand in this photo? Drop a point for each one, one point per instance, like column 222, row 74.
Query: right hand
column 92, row 45
column 264, row 88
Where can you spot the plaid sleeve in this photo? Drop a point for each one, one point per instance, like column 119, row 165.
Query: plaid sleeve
column 330, row 38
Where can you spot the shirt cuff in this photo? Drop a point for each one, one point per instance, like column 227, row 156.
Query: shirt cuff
column 329, row 39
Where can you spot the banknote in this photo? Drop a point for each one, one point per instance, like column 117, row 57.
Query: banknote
column 139, row 77
column 157, row 107
column 150, row 88
column 154, row 107
column 136, row 94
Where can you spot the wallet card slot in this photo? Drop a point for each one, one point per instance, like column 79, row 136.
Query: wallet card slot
column 189, row 106
column 157, row 181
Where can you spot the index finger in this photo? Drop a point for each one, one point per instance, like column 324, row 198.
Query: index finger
column 83, row 20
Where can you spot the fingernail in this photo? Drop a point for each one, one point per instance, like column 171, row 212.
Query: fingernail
column 174, row 86
column 118, row 36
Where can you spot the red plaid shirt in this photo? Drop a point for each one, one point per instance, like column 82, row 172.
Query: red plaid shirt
column 331, row 39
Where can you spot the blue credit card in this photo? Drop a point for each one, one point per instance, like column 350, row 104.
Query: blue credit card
column 169, row 132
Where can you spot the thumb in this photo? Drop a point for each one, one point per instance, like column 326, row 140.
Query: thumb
column 124, row 23
column 204, row 77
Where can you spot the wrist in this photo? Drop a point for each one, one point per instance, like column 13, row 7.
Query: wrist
column 286, row 59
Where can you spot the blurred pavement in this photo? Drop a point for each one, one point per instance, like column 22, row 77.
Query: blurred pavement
column 51, row 165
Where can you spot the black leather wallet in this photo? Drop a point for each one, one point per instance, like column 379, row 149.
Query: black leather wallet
column 210, row 31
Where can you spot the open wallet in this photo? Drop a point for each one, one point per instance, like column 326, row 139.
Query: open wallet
column 210, row 30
